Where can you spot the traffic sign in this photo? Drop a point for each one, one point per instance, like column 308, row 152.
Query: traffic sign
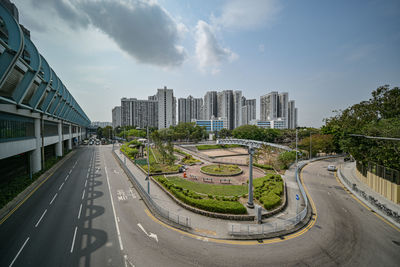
column 297, row 197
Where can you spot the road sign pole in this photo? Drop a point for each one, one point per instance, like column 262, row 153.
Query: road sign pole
column 297, row 207
column 250, row 203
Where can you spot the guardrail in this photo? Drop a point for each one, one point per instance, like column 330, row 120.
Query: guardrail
column 168, row 215
column 394, row 215
column 284, row 224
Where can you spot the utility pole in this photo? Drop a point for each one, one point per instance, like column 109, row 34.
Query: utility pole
column 250, row 203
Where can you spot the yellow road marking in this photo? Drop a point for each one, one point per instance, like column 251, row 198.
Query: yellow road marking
column 246, row 242
column 365, row 206
column 22, row 202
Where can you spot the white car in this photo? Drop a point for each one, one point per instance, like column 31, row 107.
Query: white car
column 332, row 168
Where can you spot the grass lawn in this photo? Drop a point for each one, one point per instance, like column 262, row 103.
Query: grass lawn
column 217, row 190
column 206, row 147
column 221, row 169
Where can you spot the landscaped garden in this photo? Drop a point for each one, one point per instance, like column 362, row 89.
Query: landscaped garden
column 268, row 190
column 206, row 147
column 186, row 193
column 221, row 170
column 187, row 158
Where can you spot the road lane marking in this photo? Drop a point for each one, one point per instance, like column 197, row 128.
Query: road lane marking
column 69, row 171
column 79, row 214
column 248, row 242
column 73, row 239
column 26, row 241
column 112, row 205
column 66, row 178
column 151, row 235
column 83, row 193
column 87, row 175
column 365, row 206
column 53, row 198
column 85, row 183
column 60, row 186
column 41, row 217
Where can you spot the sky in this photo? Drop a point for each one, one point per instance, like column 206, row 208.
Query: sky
column 328, row 55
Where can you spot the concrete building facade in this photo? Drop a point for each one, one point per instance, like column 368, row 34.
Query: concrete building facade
column 116, row 116
column 166, row 108
column 210, row 107
column 248, row 111
column 189, row 108
column 139, row 113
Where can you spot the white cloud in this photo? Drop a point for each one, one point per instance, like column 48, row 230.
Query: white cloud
column 247, row 15
column 209, row 52
column 143, row 29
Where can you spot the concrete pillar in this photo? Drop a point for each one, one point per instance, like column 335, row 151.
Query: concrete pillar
column 59, row 143
column 79, row 134
column 36, row 154
column 70, row 137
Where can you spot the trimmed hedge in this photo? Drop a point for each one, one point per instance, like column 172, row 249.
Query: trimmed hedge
column 268, row 190
column 262, row 166
column 219, row 204
column 206, row 147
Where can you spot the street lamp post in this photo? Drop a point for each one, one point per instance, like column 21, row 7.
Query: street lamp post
column 296, row 148
column 250, row 203
column 148, row 162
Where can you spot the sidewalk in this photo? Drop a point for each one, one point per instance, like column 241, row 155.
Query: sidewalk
column 212, row 227
column 348, row 171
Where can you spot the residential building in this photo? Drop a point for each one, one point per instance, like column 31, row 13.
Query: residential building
column 283, row 99
column 139, row 113
column 272, row 124
column 269, row 106
column 210, row 107
column 189, row 108
column 116, row 116
column 248, row 111
column 237, row 108
column 166, row 108
column 226, row 107
column 292, row 115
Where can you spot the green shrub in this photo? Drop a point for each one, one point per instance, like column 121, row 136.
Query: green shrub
column 262, row 166
column 270, row 200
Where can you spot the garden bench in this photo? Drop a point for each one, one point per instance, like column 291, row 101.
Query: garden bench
column 225, row 181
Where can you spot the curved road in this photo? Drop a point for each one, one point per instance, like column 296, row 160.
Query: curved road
column 116, row 230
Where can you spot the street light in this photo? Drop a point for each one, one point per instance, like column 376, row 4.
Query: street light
column 250, row 203
column 148, row 162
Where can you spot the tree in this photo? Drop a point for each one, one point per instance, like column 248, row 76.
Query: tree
column 379, row 116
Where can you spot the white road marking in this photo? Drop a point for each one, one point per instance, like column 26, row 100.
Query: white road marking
column 69, row 171
column 41, row 217
column 66, row 178
column 121, row 195
column 83, row 193
column 85, row 183
column 118, row 219
column 80, row 209
column 127, row 261
column 53, row 198
column 87, row 175
column 73, row 239
column 115, row 171
column 60, row 186
column 26, row 241
column 112, row 205
column 151, row 235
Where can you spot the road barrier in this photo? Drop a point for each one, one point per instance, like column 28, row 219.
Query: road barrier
column 284, row 224
column 164, row 213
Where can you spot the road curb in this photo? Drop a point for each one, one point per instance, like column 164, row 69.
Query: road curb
column 13, row 205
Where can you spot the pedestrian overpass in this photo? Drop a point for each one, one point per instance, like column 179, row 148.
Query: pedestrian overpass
column 250, row 143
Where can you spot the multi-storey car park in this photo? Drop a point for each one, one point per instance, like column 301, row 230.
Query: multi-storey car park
column 39, row 118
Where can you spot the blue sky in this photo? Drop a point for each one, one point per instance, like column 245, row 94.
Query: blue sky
column 327, row 54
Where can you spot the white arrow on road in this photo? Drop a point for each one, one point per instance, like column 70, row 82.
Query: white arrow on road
column 151, row 235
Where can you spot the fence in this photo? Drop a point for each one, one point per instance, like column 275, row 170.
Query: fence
column 266, row 228
column 170, row 216
column 394, row 215
column 388, row 174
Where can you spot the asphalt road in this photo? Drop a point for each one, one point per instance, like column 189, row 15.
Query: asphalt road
column 114, row 229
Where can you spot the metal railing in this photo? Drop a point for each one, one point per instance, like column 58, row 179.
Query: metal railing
column 277, row 226
column 253, row 143
column 171, row 216
column 388, row 174
column 394, row 215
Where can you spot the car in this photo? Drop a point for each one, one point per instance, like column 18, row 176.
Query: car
column 91, row 143
column 332, row 168
column 97, row 143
